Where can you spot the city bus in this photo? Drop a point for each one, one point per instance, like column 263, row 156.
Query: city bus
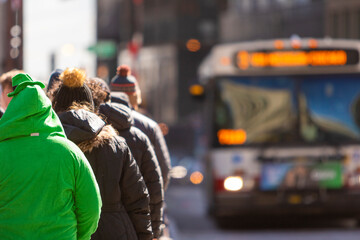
column 282, row 128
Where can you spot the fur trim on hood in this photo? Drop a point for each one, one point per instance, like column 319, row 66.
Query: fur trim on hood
column 104, row 137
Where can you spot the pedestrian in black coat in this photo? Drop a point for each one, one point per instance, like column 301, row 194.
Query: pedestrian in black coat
column 119, row 116
column 155, row 135
column 125, row 213
column 124, row 82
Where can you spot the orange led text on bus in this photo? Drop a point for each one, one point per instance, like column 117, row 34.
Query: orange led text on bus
column 231, row 136
column 291, row 58
column 243, row 60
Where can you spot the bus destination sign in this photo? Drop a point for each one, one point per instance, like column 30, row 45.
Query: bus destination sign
column 296, row 58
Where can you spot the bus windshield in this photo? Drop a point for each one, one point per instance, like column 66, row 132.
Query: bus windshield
column 317, row 109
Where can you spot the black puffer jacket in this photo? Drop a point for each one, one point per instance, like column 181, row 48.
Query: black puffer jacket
column 153, row 132
column 119, row 116
column 125, row 213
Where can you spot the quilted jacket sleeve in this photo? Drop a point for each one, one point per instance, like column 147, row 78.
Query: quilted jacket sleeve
column 87, row 199
column 152, row 176
column 135, row 197
column 162, row 154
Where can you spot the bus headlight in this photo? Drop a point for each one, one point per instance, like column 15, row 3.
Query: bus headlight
column 233, row 183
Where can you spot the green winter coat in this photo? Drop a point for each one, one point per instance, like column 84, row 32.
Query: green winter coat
column 47, row 188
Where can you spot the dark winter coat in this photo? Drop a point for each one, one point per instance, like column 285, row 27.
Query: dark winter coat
column 125, row 212
column 153, row 132
column 119, row 116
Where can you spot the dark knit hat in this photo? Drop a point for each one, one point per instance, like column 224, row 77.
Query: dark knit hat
column 123, row 81
column 72, row 90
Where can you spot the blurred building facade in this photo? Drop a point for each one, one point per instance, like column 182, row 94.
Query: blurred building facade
column 266, row 19
column 2, row 38
column 342, row 19
column 11, row 37
column 108, row 21
column 153, row 37
column 244, row 20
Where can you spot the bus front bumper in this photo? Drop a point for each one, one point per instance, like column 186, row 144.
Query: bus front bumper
column 329, row 203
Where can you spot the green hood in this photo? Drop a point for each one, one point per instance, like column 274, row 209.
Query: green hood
column 29, row 112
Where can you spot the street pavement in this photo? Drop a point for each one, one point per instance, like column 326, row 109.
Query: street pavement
column 189, row 221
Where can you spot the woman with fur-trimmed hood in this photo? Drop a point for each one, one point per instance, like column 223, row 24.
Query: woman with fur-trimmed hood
column 125, row 212
column 119, row 116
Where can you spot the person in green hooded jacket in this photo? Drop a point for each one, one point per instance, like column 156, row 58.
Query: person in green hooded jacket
column 47, row 187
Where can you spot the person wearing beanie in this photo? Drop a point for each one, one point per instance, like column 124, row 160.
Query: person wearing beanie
column 72, row 89
column 144, row 123
column 119, row 116
column 48, row 189
column 124, row 82
column 125, row 213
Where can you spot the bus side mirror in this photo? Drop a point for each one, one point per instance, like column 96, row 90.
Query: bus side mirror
column 197, row 91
